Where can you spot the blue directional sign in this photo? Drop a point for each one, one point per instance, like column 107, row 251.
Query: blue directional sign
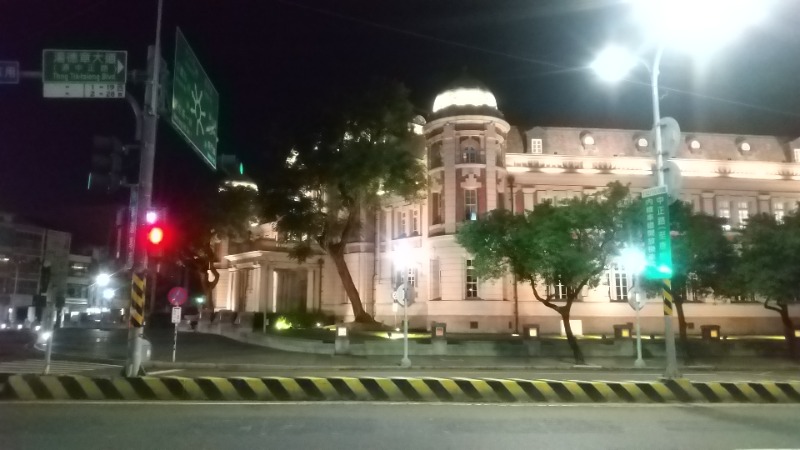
column 9, row 72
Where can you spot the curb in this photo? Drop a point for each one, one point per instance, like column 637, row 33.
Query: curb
column 395, row 389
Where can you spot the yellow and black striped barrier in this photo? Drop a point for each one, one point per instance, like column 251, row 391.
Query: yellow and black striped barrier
column 137, row 300
column 396, row 389
column 666, row 289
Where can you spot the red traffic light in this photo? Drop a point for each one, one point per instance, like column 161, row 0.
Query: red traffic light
column 155, row 235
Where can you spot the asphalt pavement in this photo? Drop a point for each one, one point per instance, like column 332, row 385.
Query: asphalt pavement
column 198, row 426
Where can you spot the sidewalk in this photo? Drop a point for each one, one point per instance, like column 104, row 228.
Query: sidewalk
column 215, row 352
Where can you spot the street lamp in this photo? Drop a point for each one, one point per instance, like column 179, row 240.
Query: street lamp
column 679, row 24
column 634, row 261
column 402, row 260
column 102, row 279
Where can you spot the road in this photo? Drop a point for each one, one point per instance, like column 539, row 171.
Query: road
column 394, row 426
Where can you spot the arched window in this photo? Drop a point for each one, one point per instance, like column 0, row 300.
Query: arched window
column 469, row 155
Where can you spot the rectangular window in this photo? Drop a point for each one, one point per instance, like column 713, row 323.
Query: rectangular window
column 536, row 146
column 471, row 204
column 435, row 278
column 436, row 208
column 777, row 209
column 797, row 155
column 401, row 224
column 469, row 155
column 415, row 222
column 471, row 285
column 742, row 210
column 501, row 201
column 619, row 287
column 725, row 213
column 411, row 273
column 558, row 291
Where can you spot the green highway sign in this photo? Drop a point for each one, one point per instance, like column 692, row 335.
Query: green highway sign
column 195, row 102
column 84, row 73
column 658, row 247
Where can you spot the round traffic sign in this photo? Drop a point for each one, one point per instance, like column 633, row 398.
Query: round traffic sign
column 177, row 296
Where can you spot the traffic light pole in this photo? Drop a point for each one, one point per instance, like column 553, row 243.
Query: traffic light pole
column 671, row 370
column 145, row 185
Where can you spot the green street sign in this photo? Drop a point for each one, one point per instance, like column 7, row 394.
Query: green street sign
column 658, row 247
column 195, row 102
column 84, row 73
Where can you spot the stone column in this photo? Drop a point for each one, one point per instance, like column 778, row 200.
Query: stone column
column 232, row 287
column 528, row 198
column 311, row 282
column 449, row 153
column 491, row 148
column 257, row 288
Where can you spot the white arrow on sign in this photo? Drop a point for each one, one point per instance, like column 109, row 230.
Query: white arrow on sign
column 633, row 299
column 120, row 66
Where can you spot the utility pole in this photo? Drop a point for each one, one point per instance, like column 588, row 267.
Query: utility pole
column 145, row 185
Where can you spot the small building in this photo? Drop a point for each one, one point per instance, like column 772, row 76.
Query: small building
column 25, row 248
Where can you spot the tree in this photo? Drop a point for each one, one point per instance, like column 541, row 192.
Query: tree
column 702, row 261
column 569, row 244
column 336, row 172
column 769, row 265
column 227, row 214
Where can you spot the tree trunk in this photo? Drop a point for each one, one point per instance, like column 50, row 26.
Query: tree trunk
column 688, row 358
column 336, row 252
column 788, row 330
column 573, row 342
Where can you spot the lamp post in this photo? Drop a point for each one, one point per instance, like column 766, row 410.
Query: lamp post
column 634, row 261
column 402, row 259
column 676, row 23
column 613, row 64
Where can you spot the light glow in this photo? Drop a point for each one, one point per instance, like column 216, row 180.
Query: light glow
column 108, row 293
column 633, row 259
column 103, row 279
column 613, row 64
column 151, row 217
column 464, row 97
column 697, row 26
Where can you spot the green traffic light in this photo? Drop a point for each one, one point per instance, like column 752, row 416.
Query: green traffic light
column 665, row 270
column 241, row 169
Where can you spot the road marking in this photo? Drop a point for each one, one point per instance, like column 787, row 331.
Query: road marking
column 56, row 367
column 162, row 372
column 360, row 403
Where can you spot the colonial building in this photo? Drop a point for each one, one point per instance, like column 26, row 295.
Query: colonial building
column 478, row 162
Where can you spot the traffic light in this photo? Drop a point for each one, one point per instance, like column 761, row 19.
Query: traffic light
column 155, row 234
column 111, row 164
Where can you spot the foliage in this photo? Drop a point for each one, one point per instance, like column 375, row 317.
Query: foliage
column 335, row 173
column 703, row 257
column 227, row 213
column 570, row 243
column 769, row 264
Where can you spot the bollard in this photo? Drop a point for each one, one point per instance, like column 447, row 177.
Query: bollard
column 439, row 338
column 342, row 343
column 531, row 336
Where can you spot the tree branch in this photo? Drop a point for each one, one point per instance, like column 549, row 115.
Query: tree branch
column 545, row 301
column 771, row 308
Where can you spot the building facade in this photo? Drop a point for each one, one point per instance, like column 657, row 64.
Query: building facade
column 24, row 249
column 478, row 162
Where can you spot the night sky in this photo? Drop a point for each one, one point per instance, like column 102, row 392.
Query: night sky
column 274, row 62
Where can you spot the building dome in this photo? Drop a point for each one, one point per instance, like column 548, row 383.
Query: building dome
column 465, row 96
